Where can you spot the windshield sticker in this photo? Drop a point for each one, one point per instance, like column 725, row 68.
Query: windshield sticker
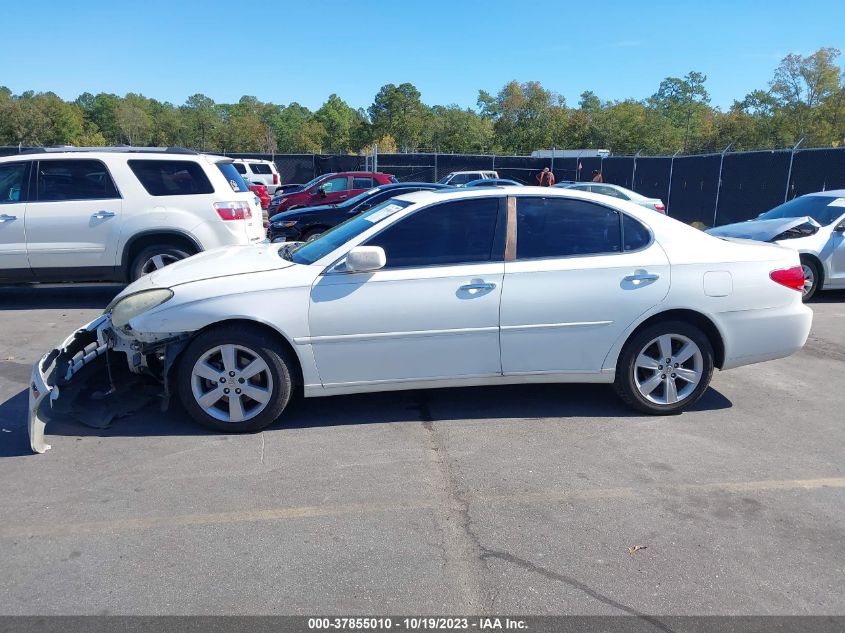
column 838, row 202
column 383, row 213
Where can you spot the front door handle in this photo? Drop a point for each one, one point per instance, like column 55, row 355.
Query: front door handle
column 102, row 215
column 640, row 277
column 478, row 285
column 7, row 218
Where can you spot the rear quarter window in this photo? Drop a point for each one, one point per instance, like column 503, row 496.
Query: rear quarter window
column 172, row 177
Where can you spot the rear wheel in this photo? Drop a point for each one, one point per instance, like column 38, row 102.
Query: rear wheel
column 235, row 380
column 153, row 258
column 812, row 277
column 664, row 368
column 310, row 234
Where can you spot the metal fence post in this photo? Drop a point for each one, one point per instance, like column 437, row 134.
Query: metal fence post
column 436, row 173
column 669, row 193
column 719, row 182
column 634, row 170
column 375, row 157
column 494, row 162
column 552, row 168
column 789, row 173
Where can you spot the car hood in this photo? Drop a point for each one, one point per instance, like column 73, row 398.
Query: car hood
column 760, row 230
column 218, row 262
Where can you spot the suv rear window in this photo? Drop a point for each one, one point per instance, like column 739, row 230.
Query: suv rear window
column 260, row 168
column 171, row 177
column 229, row 170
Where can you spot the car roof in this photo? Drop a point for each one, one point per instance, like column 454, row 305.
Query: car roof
column 399, row 185
column 833, row 193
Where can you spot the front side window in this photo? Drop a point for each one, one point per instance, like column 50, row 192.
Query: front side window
column 13, row 182
column 341, row 183
column 362, row 183
column 172, row 177
column 457, row 232
column 81, row 179
column 563, row 227
column 260, row 168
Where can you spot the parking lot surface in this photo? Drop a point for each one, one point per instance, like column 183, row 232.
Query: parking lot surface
column 541, row 499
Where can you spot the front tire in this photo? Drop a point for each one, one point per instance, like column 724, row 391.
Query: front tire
column 812, row 278
column 664, row 368
column 235, row 380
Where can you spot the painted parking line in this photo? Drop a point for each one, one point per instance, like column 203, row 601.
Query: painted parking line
column 306, row 512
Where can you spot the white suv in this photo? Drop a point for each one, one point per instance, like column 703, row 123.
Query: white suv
column 460, row 178
column 259, row 172
column 116, row 214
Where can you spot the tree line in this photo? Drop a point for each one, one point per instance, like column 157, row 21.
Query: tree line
column 804, row 99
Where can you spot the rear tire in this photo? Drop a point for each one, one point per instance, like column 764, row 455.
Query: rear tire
column 153, row 258
column 310, row 234
column 812, row 278
column 664, row 368
column 235, row 380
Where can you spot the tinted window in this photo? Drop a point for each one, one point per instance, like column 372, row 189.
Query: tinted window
column 823, row 209
column 558, row 227
column 635, row 235
column 240, row 167
column 12, row 182
column 74, row 180
column 173, row 177
column 362, row 183
column 335, row 184
column 236, row 181
column 449, row 233
column 260, row 168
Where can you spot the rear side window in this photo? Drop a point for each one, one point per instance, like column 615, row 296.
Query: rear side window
column 82, row 179
column 171, row 177
column 560, row 227
column 236, row 182
column 634, row 234
column 362, row 183
column 13, row 182
column 240, row 168
column 260, row 168
column 450, row 233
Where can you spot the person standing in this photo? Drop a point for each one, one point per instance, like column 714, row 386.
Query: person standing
column 545, row 178
column 597, row 177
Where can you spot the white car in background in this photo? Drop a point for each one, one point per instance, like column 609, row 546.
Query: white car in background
column 461, row 178
column 813, row 225
column 615, row 191
column 115, row 214
column 449, row 288
column 259, row 172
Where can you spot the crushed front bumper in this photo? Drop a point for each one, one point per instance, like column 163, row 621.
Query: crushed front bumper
column 57, row 368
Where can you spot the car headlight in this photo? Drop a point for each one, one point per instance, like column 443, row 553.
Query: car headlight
column 127, row 308
column 284, row 224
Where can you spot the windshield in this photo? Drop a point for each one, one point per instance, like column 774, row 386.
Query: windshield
column 360, row 197
column 314, row 181
column 311, row 251
column 823, row 209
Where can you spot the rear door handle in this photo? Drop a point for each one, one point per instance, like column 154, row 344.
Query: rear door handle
column 640, row 277
column 7, row 218
column 101, row 215
column 478, row 285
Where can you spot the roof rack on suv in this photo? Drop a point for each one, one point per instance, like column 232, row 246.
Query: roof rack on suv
column 119, row 148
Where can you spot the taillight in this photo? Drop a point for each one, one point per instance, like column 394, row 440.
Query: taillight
column 789, row 277
column 659, row 206
column 233, row 210
column 275, row 179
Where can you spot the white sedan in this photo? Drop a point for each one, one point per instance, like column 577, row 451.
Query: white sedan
column 446, row 289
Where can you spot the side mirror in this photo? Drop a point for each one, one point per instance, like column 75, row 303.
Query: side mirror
column 840, row 228
column 362, row 259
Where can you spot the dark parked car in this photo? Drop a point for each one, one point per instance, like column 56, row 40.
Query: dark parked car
column 330, row 189
column 303, row 224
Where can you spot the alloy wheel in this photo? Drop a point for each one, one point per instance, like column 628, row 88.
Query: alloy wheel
column 668, row 369
column 231, row 383
column 809, row 279
column 158, row 261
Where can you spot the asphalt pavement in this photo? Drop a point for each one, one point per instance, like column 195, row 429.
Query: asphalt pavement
column 543, row 499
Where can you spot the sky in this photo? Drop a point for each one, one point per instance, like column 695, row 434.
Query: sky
column 282, row 51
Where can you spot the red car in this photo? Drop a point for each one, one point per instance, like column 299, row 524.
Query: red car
column 330, row 189
column 261, row 192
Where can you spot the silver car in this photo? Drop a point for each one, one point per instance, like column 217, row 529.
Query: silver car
column 615, row 191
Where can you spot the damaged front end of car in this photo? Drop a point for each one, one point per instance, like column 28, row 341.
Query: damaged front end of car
column 97, row 372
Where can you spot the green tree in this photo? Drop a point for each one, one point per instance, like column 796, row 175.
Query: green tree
column 340, row 122
column 683, row 101
column 398, row 111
